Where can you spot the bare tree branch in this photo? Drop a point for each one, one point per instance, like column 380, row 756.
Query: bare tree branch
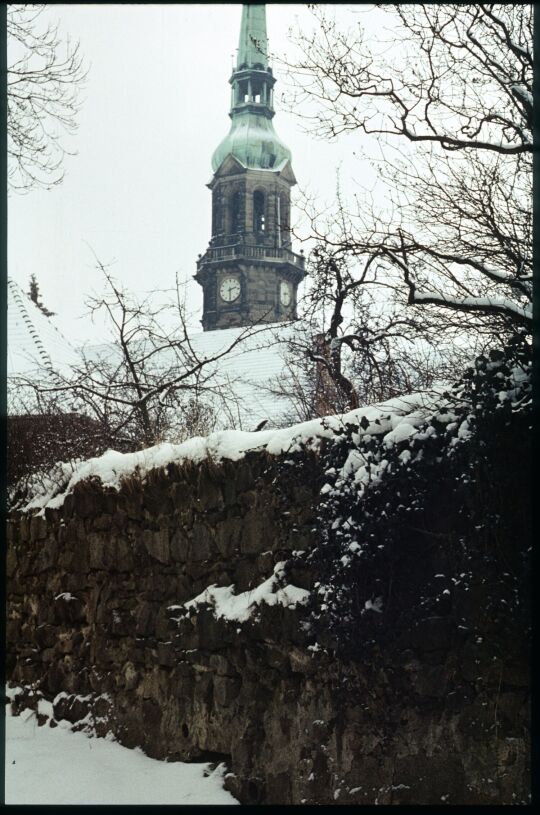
column 44, row 77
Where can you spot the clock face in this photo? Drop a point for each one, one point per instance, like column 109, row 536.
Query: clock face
column 285, row 293
column 229, row 289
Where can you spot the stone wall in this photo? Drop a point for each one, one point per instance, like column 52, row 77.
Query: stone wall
column 430, row 716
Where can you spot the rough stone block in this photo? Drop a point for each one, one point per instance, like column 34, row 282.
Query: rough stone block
column 278, row 788
column 24, row 527
column 246, row 575
column 123, row 556
column 13, row 630
column 296, row 539
column 102, row 522
column 244, row 476
column 302, row 661
column 165, row 654
column 212, row 633
column 68, row 506
column 179, row 545
column 226, row 690
column 220, row 665
column 87, row 499
column 157, row 544
column 204, row 686
column 209, row 491
column 431, row 634
column 277, row 658
column 11, row 561
column 131, row 503
column 229, row 486
column 79, row 564
column 96, row 551
column 162, row 625
column 71, row 708
column 68, row 608
column 257, row 533
column 144, row 619
column 156, row 499
column 181, row 494
column 248, row 500
column 131, row 676
column 201, row 544
column 265, row 563
column 38, row 528
column 228, row 534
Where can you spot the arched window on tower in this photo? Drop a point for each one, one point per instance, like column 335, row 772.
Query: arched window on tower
column 259, row 223
column 284, row 219
column 236, row 213
column 217, row 215
column 256, row 91
column 242, row 92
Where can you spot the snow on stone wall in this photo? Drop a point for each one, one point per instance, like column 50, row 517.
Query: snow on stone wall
column 159, row 604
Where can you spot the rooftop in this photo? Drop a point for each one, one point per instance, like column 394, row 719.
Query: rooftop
column 241, row 392
column 34, row 343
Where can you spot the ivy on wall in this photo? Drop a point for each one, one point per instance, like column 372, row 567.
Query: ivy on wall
column 406, row 525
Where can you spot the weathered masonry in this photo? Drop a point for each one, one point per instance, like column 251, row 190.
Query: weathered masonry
column 433, row 716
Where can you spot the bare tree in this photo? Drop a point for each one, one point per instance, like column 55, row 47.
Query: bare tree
column 360, row 343
column 452, row 98
column 44, row 77
column 464, row 80
column 148, row 382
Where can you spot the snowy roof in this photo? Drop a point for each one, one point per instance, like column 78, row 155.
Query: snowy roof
column 242, row 393
column 249, row 369
column 34, row 344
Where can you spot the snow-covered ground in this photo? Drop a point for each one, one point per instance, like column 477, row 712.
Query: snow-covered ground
column 47, row 765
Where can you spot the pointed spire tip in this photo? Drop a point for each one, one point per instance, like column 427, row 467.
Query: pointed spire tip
column 253, row 44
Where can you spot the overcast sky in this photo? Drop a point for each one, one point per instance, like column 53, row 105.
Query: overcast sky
column 155, row 107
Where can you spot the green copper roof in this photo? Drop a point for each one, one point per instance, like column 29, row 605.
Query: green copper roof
column 254, row 142
column 253, row 45
column 252, row 138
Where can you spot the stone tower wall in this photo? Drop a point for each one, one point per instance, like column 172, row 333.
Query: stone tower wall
column 260, row 301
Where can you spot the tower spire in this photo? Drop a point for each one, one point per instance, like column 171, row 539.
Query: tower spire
column 253, row 43
column 252, row 138
column 252, row 80
column 249, row 273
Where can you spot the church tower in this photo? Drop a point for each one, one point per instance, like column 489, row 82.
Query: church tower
column 249, row 273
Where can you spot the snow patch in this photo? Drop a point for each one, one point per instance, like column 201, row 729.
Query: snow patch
column 374, row 605
column 55, row 766
column 403, row 431
column 240, row 607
